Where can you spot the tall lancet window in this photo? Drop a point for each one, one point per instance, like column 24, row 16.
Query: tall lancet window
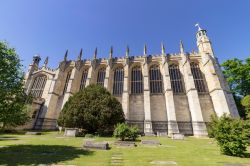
column 136, row 80
column 101, row 76
column 155, row 79
column 66, row 82
column 118, row 81
column 84, row 79
column 175, row 78
column 38, row 86
column 198, row 78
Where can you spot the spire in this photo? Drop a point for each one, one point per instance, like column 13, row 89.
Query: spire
column 127, row 51
column 66, row 55
column 145, row 50
column 80, row 55
column 95, row 54
column 163, row 52
column 111, row 52
column 198, row 25
column 181, row 47
column 46, row 61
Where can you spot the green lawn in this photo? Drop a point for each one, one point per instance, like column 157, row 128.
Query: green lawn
column 52, row 148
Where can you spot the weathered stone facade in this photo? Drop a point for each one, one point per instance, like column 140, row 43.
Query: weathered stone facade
column 185, row 98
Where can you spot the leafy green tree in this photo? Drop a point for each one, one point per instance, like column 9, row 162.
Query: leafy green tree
column 232, row 135
column 12, row 96
column 93, row 109
column 237, row 73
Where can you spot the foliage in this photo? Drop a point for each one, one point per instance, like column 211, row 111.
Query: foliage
column 237, row 73
column 124, row 132
column 232, row 135
column 246, row 104
column 89, row 136
column 12, row 96
column 93, row 109
column 133, row 133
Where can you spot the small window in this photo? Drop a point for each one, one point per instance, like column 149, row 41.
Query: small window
column 101, row 76
column 84, row 79
column 118, row 81
column 66, row 82
column 136, row 80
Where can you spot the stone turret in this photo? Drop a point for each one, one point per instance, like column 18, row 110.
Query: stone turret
column 203, row 42
column 32, row 67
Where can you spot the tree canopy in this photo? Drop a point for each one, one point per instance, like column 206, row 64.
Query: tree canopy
column 12, row 96
column 237, row 73
column 93, row 109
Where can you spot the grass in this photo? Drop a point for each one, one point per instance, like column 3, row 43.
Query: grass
column 52, row 148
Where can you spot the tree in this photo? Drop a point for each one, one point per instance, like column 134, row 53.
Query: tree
column 232, row 135
column 246, row 104
column 12, row 96
column 237, row 73
column 93, row 109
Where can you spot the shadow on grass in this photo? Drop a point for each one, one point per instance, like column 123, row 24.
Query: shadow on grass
column 7, row 138
column 39, row 154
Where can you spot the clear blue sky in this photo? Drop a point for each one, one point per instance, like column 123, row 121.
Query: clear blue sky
column 49, row 27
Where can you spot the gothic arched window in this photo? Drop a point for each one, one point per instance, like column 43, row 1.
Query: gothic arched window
column 136, row 80
column 155, row 79
column 101, row 76
column 175, row 78
column 84, row 79
column 198, row 77
column 118, row 81
column 66, row 82
column 38, row 86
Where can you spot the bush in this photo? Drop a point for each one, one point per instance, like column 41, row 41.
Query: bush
column 232, row 135
column 89, row 136
column 124, row 132
column 133, row 133
column 245, row 102
column 93, row 110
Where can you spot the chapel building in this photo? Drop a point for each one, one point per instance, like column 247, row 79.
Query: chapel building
column 171, row 93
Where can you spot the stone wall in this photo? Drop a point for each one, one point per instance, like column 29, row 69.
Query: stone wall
column 206, row 106
column 183, row 115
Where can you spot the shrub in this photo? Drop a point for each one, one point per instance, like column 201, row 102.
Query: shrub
column 93, row 109
column 133, row 133
column 124, row 132
column 89, row 136
column 245, row 102
column 232, row 135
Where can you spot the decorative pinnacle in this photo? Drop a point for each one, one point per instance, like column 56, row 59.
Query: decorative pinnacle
column 95, row 54
column 198, row 25
column 127, row 51
column 181, row 47
column 163, row 52
column 46, row 61
column 111, row 52
column 66, row 55
column 80, row 55
column 145, row 50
